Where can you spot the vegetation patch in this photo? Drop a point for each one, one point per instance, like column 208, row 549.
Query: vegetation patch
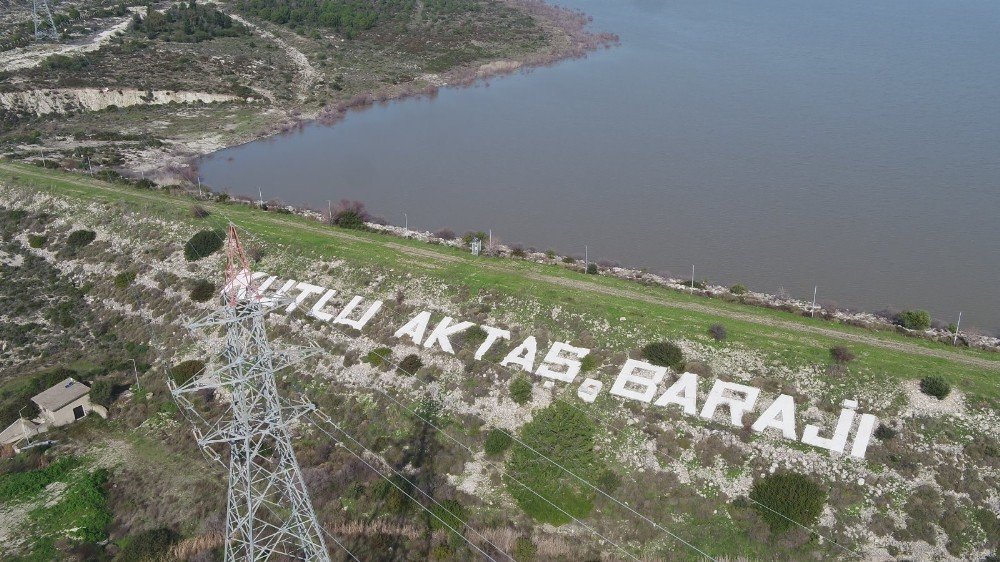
column 187, row 370
column 80, row 238
column 202, row 290
column 790, row 497
column 497, row 441
column 410, row 365
column 377, row 356
column 566, row 436
column 520, row 389
column 204, row 243
column 935, row 386
column 187, row 23
column 663, row 353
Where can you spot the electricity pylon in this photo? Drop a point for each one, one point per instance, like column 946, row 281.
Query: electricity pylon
column 43, row 31
column 269, row 515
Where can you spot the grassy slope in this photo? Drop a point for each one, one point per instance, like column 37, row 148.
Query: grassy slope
column 792, row 339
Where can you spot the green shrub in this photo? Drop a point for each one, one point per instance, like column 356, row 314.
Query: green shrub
column 410, row 365
column 146, row 546
column 377, row 356
column 935, row 386
column 145, row 184
column 450, row 512
column 718, row 332
column 567, row 259
column 80, row 238
column 497, row 441
column 101, row 392
column 588, row 363
column 203, row 243
column 566, row 436
column 23, row 485
column 36, row 240
column 202, row 291
column 187, row 370
column 525, row 550
column 349, row 218
column 663, row 353
column 520, row 389
column 609, row 481
column 792, row 496
column 884, row 432
column 592, row 268
column 738, row 289
column 518, row 252
column 124, row 279
column 914, row 319
column 474, row 336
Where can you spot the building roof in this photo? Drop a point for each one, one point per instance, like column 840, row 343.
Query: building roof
column 60, row 394
column 18, row 430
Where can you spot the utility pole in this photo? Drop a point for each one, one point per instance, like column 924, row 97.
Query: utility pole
column 135, row 371
column 491, row 240
column 329, row 210
column 90, row 167
column 260, row 198
column 954, row 340
column 812, row 310
column 406, row 223
column 692, row 279
column 41, row 30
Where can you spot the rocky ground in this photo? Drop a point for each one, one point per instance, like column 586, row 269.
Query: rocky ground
column 927, row 490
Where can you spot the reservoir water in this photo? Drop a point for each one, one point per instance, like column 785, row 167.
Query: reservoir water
column 780, row 144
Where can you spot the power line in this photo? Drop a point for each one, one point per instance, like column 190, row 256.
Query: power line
column 498, row 467
column 330, row 421
column 561, row 467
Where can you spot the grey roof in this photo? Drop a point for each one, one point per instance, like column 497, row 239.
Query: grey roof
column 60, row 394
column 17, row 430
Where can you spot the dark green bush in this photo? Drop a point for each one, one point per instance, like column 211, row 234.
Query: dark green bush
column 101, row 393
column 738, row 289
column 884, row 432
column 518, row 252
column 718, row 332
column 520, row 389
column 124, row 279
column 609, row 481
column 450, row 512
column 566, row 436
column 410, row 365
column 36, row 240
column 567, row 259
column 147, row 546
column 187, row 370
column 497, row 441
column 204, row 243
column 841, row 355
column 914, row 319
column 663, row 353
column 935, row 386
column 592, row 268
column 145, row 184
column 792, row 496
column 202, row 290
column 80, row 238
column 378, row 356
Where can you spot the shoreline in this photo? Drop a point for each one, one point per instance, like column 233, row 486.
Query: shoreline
column 755, row 299
column 571, row 26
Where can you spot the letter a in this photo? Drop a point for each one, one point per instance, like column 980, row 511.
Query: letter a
column 415, row 328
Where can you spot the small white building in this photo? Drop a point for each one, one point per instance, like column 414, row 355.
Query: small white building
column 59, row 405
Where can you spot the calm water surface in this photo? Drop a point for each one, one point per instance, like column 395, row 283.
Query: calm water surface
column 780, row 144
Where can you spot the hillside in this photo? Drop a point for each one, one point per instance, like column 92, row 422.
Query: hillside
column 677, row 484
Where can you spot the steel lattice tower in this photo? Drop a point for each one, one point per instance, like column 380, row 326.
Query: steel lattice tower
column 269, row 515
column 41, row 30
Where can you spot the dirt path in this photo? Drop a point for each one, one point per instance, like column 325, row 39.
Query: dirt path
column 33, row 55
column 580, row 285
column 307, row 74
